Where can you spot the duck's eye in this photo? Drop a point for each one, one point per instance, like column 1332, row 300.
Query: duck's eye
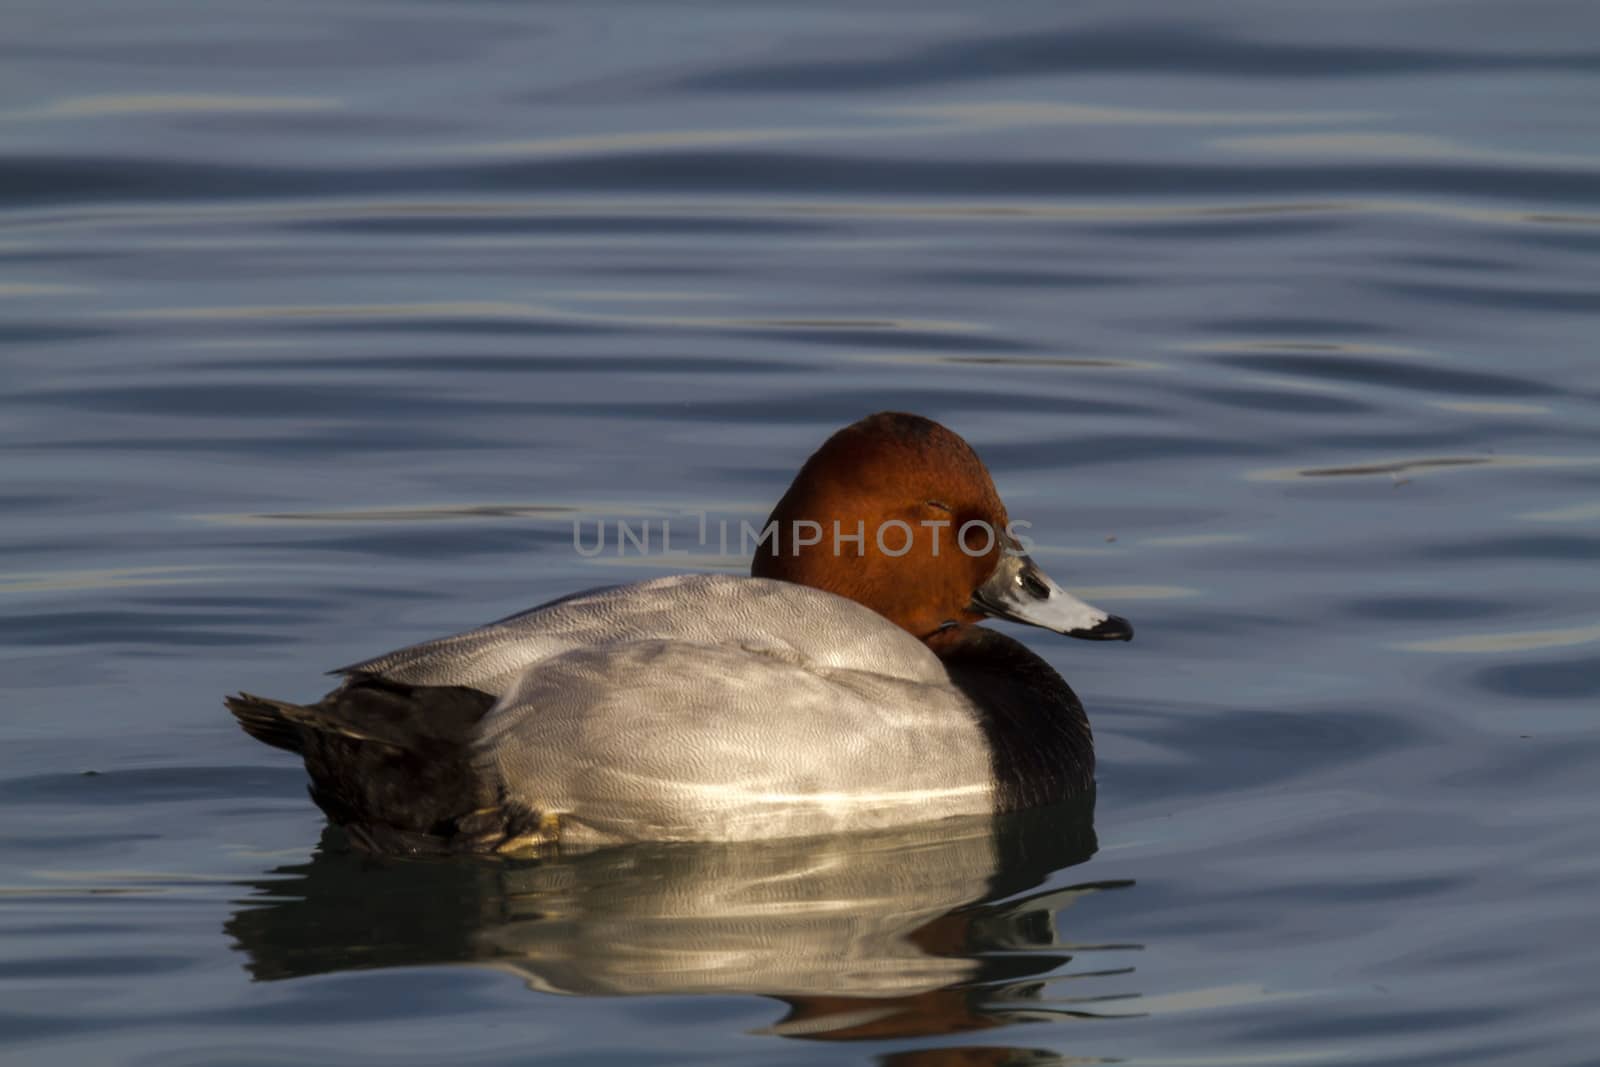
column 938, row 505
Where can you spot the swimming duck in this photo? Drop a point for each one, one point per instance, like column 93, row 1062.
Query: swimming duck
column 844, row 685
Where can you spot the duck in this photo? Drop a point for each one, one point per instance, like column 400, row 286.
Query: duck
column 846, row 684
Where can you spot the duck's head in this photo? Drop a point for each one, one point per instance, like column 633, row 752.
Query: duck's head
column 898, row 513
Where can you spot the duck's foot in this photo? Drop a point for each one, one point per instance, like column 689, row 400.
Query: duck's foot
column 546, row 831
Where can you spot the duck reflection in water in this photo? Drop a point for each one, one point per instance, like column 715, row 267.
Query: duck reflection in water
column 916, row 931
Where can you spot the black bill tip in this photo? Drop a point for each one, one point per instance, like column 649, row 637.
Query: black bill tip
column 1111, row 628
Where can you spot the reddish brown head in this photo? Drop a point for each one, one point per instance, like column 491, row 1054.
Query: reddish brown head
column 898, row 513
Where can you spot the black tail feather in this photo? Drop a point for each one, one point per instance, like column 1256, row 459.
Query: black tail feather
column 392, row 764
column 269, row 721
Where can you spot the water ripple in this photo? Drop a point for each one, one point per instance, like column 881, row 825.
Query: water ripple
column 1128, row 48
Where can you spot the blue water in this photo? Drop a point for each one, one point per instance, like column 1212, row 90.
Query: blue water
column 321, row 325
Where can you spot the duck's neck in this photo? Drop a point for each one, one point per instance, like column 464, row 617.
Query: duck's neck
column 1038, row 735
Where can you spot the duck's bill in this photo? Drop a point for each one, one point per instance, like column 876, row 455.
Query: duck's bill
column 1018, row 590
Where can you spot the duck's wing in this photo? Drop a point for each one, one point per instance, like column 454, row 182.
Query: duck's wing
column 670, row 740
column 707, row 609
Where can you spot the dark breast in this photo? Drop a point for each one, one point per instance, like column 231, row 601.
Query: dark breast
column 1039, row 739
